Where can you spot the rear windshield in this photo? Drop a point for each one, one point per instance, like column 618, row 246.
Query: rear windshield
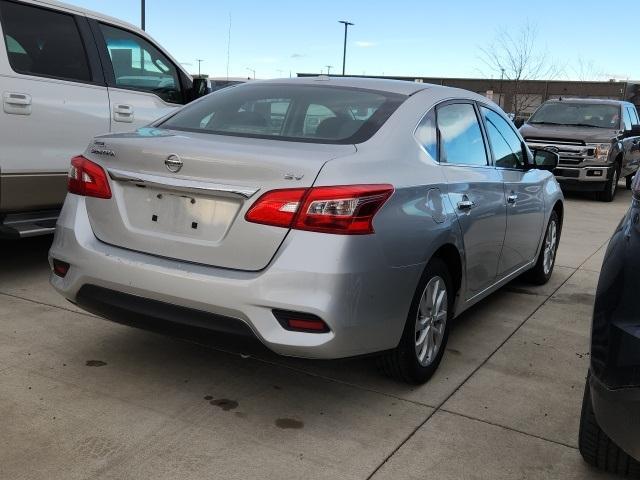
column 578, row 114
column 303, row 113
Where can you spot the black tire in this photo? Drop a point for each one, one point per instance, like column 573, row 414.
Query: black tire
column 609, row 192
column 629, row 181
column 597, row 448
column 402, row 362
column 538, row 274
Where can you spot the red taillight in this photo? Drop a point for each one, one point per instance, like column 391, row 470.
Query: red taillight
column 88, row 179
column 300, row 322
column 277, row 208
column 60, row 268
column 347, row 209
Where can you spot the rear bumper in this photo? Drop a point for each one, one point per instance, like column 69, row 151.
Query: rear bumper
column 618, row 414
column 363, row 301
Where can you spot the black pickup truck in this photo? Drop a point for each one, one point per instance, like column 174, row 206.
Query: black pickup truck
column 598, row 142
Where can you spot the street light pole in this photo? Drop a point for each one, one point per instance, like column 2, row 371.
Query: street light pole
column 500, row 94
column 142, row 14
column 329, row 67
column 344, row 52
column 199, row 62
column 252, row 71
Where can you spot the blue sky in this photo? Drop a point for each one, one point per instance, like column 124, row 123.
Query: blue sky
column 403, row 37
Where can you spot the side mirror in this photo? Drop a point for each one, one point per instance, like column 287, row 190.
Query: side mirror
column 544, row 159
column 200, row 87
column 634, row 132
column 518, row 122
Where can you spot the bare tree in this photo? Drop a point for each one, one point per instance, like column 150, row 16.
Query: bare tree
column 586, row 70
column 517, row 57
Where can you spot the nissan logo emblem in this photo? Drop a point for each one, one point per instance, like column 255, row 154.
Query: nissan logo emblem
column 173, row 163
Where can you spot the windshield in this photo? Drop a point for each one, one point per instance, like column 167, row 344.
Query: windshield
column 304, row 113
column 578, row 114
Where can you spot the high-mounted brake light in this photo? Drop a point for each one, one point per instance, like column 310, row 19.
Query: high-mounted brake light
column 88, row 179
column 345, row 209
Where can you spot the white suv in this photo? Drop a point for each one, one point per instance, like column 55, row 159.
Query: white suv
column 67, row 74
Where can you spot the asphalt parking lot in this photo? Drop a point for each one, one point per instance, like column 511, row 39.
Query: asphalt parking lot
column 84, row 398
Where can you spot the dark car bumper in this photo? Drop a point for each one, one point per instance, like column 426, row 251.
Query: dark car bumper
column 574, row 185
column 618, row 414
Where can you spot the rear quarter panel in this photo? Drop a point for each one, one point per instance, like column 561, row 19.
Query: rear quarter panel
column 418, row 218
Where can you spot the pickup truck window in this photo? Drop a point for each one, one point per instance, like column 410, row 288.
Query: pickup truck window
column 633, row 115
column 43, row 43
column 578, row 114
column 138, row 65
column 626, row 119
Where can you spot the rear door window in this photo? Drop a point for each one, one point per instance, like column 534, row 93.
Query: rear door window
column 138, row 65
column 461, row 141
column 427, row 134
column 43, row 43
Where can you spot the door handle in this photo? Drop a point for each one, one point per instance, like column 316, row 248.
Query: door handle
column 512, row 198
column 465, row 205
column 123, row 113
column 16, row 103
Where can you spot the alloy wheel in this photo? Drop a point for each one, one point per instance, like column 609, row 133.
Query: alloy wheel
column 550, row 244
column 431, row 321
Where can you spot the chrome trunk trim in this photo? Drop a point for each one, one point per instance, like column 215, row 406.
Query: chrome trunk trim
column 182, row 184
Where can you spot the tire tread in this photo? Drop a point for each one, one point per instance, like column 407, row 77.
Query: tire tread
column 598, row 449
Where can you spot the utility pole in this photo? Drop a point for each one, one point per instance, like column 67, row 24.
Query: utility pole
column 344, row 52
column 500, row 102
column 199, row 62
column 329, row 67
column 142, row 14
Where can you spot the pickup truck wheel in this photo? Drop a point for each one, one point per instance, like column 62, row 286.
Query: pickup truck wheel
column 542, row 271
column 629, row 181
column 597, row 448
column 609, row 192
column 426, row 331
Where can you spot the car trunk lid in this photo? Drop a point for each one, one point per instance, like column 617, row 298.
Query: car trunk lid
column 195, row 213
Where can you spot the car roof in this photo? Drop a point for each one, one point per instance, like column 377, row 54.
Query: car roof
column 391, row 86
column 602, row 101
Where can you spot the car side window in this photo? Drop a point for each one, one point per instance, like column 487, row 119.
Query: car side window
column 461, row 140
column 633, row 115
column 138, row 65
column 43, row 43
column 626, row 119
column 427, row 134
column 505, row 143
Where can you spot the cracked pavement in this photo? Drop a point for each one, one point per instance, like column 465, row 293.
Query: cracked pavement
column 84, row 398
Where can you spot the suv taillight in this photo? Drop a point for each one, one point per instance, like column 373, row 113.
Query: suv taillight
column 88, row 179
column 344, row 209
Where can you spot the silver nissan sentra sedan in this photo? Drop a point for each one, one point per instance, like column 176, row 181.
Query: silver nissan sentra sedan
column 328, row 217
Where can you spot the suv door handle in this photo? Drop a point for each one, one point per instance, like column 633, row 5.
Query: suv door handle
column 16, row 103
column 465, row 204
column 123, row 113
column 512, row 198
